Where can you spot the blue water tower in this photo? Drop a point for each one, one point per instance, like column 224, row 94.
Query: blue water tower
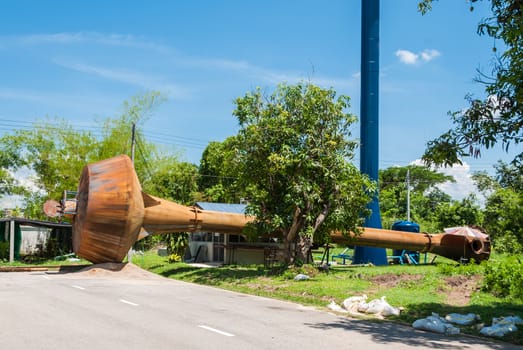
column 406, row 226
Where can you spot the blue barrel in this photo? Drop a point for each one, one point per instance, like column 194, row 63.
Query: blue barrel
column 406, row 226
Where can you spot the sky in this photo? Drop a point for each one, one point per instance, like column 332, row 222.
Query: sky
column 80, row 60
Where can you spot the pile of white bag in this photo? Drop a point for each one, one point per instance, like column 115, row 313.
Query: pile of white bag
column 435, row 323
column 448, row 325
column 500, row 326
column 358, row 305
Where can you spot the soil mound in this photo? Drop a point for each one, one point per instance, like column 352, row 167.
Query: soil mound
column 116, row 271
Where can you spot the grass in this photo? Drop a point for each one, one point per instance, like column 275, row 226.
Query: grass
column 34, row 261
column 420, row 290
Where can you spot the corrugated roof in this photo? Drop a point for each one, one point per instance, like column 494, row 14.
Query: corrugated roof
column 223, row 207
column 36, row 223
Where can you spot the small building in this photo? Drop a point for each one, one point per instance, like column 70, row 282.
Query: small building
column 229, row 248
column 20, row 236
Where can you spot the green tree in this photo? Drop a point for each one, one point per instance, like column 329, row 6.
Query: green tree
column 56, row 152
column 498, row 118
column 503, row 218
column 8, row 183
column 294, row 156
column 117, row 133
column 218, row 172
column 423, row 191
column 173, row 180
column 458, row 213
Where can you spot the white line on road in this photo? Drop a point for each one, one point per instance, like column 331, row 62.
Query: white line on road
column 128, row 302
column 47, row 278
column 216, row 331
column 78, row 287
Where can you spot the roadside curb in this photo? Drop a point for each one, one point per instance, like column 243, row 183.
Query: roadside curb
column 42, row 268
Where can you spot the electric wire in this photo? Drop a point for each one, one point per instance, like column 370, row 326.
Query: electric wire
column 98, row 130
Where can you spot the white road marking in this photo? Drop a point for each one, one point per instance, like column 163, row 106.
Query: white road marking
column 78, row 287
column 47, row 278
column 216, row 331
column 128, row 302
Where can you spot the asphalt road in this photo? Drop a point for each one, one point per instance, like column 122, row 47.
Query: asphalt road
column 67, row 311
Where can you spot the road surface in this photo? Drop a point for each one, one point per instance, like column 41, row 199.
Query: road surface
column 40, row 310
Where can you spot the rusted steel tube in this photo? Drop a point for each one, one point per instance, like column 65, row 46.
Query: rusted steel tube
column 110, row 210
column 462, row 243
column 166, row 217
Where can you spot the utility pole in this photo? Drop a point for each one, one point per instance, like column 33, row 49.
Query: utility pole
column 133, row 142
column 408, row 194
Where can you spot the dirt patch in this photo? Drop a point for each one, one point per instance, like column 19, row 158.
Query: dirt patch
column 390, row 280
column 459, row 289
column 115, row 271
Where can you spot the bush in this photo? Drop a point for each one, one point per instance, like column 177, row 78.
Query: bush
column 4, row 250
column 452, row 269
column 504, row 278
column 174, row 258
column 305, row 269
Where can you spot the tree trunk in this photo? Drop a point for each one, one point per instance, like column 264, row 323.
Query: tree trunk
column 303, row 247
column 288, row 255
column 290, row 236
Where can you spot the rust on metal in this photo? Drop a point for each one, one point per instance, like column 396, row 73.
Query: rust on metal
column 460, row 243
column 52, row 208
column 110, row 212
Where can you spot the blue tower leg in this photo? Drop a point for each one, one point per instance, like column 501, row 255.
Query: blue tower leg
column 369, row 114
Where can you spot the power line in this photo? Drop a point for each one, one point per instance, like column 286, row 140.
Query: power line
column 98, row 130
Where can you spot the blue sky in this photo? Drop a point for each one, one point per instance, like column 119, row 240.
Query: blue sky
column 79, row 60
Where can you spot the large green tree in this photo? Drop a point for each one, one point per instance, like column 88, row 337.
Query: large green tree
column 497, row 118
column 503, row 218
column 55, row 151
column 465, row 212
column 294, row 151
column 172, row 179
column 218, row 172
column 424, row 193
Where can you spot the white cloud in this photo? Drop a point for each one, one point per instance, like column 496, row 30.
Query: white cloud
column 164, row 54
column 412, row 58
column 17, row 94
column 429, row 54
column 268, row 75
column 146, row 81
column 464, row 184
column 407, row 57
column 96, row 104
column 176, row 57
column 68, row 38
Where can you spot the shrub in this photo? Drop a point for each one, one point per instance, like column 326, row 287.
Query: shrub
column 174, row 258
column 4, row 250
column 504, row 278
column 452, row 269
